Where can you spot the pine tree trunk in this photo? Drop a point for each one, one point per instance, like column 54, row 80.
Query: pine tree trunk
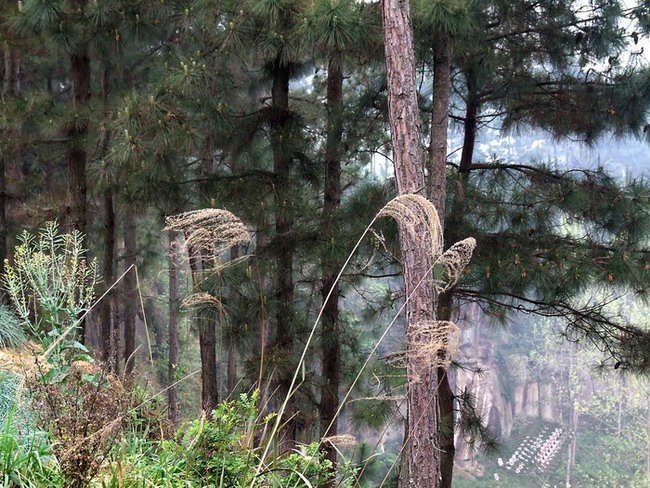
column 8, row 149
column 446, row 406
column 331, row 340
column 437, row 194
column 76, row 154
column 439, row 122
column 421, row 458
column 130, row 303
column 284, row 330
column 172, row 392
column 470, row 124
column 231, row 378
column 106, row 312
column 77, row 211
column 231, row 368
column 207, row 344
column 207, row 318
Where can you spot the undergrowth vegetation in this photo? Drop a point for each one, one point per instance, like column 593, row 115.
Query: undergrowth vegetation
column 66, row 422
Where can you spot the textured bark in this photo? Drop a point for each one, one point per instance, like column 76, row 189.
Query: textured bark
column 108, row 272
column 284, row 330
column 131, row 302
column 437, row 194
column 446, row 406
column 421, row 459
column 172, row 392
column 439, row 122
column 331, row 340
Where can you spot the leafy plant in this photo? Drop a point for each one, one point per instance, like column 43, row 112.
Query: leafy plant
column 219, row 452
column 50, row 284
column 26, row 461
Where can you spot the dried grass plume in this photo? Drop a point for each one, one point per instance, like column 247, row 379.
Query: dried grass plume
column 209, row 229
column 420, row 218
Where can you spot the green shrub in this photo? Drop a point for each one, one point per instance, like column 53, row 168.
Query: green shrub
column 218, row 452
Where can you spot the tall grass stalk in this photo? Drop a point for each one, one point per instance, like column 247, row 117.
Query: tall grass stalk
column 280, row 413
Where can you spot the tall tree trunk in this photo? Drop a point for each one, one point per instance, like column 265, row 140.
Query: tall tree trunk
column 470, row 123
column 231, row 369
column 207, row 344
column 76, row 211
column 446, row 406
column 437, row 194
column 439, row 122
column 207, row 318
column 130, row 304
column 172, row 392
column 106, row 311
column 331, row 340
column 421, row 458
column 11, row 87
column 284, row 330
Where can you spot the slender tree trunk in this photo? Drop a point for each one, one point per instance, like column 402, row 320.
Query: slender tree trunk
column 421, row 458
column 231, row 378
column 262, row 345
column 207, row 319
column 11, row 86
column 207, row 345
column 470, row 124
column 331, row 339
column 437, row 194
column 446, row 405
column 130, row 304
column 231, row 368
column 106, row 311
column 571, row 454
column 439, row 122
column 284, row 330
column 76, row 211
column 172, row 392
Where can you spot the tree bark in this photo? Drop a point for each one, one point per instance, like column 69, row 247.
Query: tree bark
column 331, row 340
column 439, row 122
column 437, row 194
column 130, row 303
column 284, row 330
column 108, row 271
column 471, row 122
column 207, row 344
column 172, row 392
column 421, row 458
column 446, row 406
column 76, row 211
column 11, row 87
column 231, row 368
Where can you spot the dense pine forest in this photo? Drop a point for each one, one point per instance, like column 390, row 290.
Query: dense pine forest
column 255, row 243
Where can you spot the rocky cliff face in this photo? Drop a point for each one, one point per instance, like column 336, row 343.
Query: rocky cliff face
column 499, row 396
